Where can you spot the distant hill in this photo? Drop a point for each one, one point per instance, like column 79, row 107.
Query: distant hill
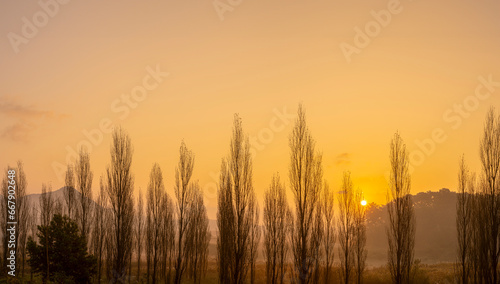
column 435, row 239
column 34, row 199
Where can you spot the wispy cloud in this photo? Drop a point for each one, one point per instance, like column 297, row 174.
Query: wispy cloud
column 343, row 159
column 25, row 120
column 19, row 131
column 15, row 110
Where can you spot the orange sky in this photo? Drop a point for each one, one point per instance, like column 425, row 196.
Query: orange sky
column 69, row 73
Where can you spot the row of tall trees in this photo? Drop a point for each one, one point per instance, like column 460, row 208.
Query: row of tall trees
column 306, row 235
column 172, row 235
column 478, row 211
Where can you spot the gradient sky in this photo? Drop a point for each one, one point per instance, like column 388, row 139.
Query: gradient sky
column 263, row 57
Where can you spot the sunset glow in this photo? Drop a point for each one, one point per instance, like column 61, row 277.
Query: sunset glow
column 250, row 141
column 84, row 72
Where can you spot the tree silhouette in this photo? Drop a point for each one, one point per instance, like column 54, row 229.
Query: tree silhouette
column 277, row 219
column 156, row 191
column 306, row 176
column 255, row 233
column 198, row 237
column 346, row 228
column 401, row 231
column 329, row 234
column 84, row 185
column 236, row 210
column 69, row 193
column 184, row 194
column 465, row 233
column 139, row 232
column 167, row 239
column 490, row 161
column 119, row 186
column 99, row 229
column 68, row 257
column 46, row 212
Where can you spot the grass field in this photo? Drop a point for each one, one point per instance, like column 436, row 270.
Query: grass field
column 436, row 274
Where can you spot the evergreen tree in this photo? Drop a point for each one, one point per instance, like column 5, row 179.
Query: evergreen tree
column 68, row 258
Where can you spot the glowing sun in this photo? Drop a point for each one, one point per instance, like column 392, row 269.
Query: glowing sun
column 363, row 202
